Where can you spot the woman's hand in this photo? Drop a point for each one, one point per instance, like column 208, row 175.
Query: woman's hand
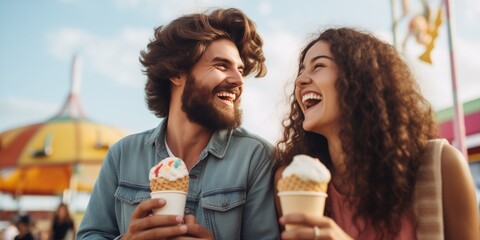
column 316, row 228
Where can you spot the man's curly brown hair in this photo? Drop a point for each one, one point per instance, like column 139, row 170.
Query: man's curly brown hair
column 177, row 46
column 385, row 124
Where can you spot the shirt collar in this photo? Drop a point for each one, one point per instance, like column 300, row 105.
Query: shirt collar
column 157, row 133
column 217, row 145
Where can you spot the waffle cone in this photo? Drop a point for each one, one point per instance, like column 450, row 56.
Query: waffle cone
column 162, row 184
column 294, row 183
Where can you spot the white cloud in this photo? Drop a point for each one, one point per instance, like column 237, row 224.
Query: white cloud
column 168, row 10
column 472, row 12
column 17, row 111
column 126, row 4
column 115, row 58
column 265, row 8
column 65, row 42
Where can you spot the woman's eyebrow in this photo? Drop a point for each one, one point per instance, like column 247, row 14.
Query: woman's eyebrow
column 319, row 57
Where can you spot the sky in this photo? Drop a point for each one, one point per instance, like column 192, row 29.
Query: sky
column 38, row 40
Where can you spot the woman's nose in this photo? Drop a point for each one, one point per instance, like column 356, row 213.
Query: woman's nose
column 302, row 80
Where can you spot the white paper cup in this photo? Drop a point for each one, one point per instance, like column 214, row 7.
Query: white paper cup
column 175, row 202
column 308, row 203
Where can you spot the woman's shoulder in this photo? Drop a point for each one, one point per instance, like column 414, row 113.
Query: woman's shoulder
column 453, row 162
column 446, row 161
column 458, row 193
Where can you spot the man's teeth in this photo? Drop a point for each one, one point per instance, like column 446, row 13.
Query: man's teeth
column 311, row 96
column 227, row 95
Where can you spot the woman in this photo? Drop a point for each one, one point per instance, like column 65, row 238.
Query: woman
column 357, row 107
column 62, row 226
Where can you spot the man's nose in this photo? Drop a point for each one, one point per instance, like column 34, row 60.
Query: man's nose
column 235, row 77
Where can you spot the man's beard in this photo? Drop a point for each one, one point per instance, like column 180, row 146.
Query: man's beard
column 198, row 104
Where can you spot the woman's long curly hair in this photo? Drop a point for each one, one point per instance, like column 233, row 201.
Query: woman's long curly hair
column 385, row 124
column 177, row 46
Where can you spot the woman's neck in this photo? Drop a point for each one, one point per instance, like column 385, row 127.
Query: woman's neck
column 337, row 156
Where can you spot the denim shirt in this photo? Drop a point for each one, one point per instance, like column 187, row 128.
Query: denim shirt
column 230, row 189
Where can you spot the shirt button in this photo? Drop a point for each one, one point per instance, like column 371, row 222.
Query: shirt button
column 187, row 211
column 225, row 204
column 193, row 176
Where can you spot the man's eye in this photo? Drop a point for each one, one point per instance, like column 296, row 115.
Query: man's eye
column 221, row 67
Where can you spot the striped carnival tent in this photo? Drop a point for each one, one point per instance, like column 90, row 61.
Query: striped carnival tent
column 63, row 153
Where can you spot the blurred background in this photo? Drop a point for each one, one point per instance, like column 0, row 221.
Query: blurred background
column 71, row 83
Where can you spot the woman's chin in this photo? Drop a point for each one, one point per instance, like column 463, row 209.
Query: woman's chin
column 308, row 126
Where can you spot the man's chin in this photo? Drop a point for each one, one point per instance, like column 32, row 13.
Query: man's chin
column 228, row 114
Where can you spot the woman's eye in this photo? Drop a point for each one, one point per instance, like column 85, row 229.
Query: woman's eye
column 320, row 65
column 300, row 72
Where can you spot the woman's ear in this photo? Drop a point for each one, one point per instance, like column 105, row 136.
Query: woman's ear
column 178, row 80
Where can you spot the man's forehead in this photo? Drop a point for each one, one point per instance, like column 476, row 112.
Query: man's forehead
column 222, row 50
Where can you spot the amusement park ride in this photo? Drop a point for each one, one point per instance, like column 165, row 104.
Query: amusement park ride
column 59, row 156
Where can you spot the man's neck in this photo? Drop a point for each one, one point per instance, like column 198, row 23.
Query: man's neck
column 186, row 139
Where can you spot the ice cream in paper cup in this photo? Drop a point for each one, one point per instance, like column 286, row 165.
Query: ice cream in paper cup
column 169, row 180
column 303, row 187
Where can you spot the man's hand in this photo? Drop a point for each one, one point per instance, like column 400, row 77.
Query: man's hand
column 144, row 225
column 194, row 230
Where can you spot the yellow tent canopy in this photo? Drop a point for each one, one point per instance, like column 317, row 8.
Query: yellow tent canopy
column 64, row 152
column 43, row 158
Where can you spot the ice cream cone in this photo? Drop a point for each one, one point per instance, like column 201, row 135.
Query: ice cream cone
column 159, row 184
column 169, row 180
column 294, row 183
column 303, row 187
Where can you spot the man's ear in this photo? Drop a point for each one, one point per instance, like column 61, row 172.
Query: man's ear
column 178, row 80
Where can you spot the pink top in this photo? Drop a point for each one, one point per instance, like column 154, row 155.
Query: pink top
column 342, row 213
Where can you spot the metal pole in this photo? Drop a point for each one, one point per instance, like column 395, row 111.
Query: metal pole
column 459, row 119
column 394, row 23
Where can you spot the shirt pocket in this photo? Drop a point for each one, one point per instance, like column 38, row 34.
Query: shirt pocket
column 223, row 210
column 128, row 197
column 224, row 199
column 131, row 194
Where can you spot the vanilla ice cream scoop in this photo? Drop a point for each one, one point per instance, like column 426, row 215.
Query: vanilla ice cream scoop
column 307, row 169
column 169, row 174
column 304, row 173
column 170, row 168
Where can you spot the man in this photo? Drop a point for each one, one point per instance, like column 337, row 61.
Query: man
column 24, row 228
column 195, row 68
